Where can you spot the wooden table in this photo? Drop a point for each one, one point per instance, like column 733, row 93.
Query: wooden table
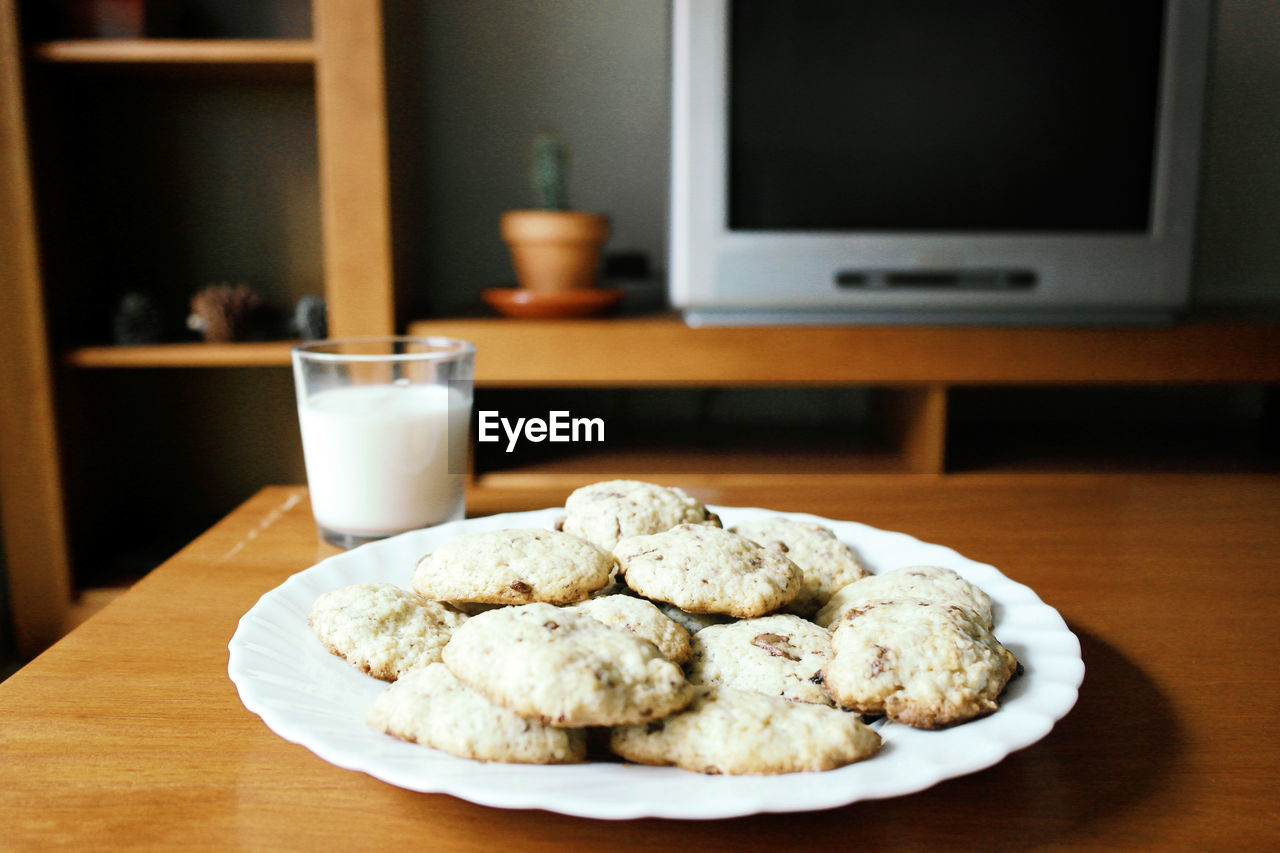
column 128, row 732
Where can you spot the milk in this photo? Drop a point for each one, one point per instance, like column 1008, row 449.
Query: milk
column 382, row 459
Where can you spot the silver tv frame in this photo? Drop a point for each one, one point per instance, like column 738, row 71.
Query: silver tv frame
column 719, row 276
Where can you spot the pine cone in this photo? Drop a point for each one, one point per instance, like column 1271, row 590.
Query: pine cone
column 225, row 312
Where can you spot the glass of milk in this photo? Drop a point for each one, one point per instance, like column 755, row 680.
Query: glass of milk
column 385, row 433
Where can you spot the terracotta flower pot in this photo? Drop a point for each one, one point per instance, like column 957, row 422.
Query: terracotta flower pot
column 555, row 250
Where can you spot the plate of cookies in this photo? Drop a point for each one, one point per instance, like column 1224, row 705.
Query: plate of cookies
column 636, row 653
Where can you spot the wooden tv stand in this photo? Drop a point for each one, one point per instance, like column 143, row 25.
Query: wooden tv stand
column 912, row 371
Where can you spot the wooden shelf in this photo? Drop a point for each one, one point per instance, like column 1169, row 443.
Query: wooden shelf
column 654, row 469
column 340, row 71
column 664, row 351
column 662, row 455
column 177, row 51
column 240, row 354
column 912, row 372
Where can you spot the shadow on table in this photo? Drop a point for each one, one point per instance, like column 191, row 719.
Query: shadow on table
column 1103, row 758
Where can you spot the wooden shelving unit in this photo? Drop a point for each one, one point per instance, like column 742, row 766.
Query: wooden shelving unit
column 239, row 354
column 913, row 373
column 272, row 51
column 661, row 350
column 342, row 62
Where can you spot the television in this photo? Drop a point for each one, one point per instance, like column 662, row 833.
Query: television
column 933, row 161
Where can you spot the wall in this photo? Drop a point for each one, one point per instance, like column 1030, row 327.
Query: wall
column 472, row 81
column 1239, row 253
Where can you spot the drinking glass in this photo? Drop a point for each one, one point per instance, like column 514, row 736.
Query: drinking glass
column 385, row 432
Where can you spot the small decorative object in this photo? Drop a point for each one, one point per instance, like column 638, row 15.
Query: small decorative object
column 106, row 19
column 227, row 312
column 549, row 168
column 555, row 250
column 137, row 321
column 310, row 319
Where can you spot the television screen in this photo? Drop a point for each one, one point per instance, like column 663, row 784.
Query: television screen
column 990, row 115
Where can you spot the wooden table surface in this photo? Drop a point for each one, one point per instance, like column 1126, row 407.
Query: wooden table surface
column 128, row 732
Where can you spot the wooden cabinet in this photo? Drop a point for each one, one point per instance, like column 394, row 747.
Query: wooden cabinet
column 100, row 141
column 924, row 386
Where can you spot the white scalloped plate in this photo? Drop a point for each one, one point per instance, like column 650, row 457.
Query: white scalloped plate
column 310, row 697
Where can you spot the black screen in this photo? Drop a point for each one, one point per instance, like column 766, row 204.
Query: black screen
column 993, row 115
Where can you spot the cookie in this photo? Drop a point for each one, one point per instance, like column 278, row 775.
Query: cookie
column 917, row 662
column 642, row 618
column 431, row 707
column 603, row 513
column 382, row 629
column 560, row 666
column 734, row 731
column 827, row 563
column 932, row 583
column 775, row 655
column 708, row 570
column 515, row 566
